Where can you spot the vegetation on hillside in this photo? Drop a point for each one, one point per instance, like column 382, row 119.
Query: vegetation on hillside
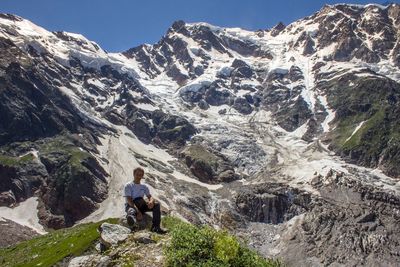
column 53, row 247
column 372, row 101
column 206, row 247
column 15, row 161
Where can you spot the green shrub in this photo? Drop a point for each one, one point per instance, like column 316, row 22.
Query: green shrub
column 247, row 257
column 226, row 247
column 206, row 247
column 190, row 245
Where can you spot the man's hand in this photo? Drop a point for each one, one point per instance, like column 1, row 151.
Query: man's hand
column 139, row 216
column 150, row 203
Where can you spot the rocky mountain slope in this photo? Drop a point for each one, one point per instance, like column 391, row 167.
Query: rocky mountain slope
column 288, row 136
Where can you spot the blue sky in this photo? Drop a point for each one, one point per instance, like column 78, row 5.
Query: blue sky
column 121, row 24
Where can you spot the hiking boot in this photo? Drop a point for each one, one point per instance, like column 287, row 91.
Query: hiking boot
column 131, row 220
column 158, row 230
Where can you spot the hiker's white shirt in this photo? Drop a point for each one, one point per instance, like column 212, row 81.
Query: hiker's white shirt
column 136, row 190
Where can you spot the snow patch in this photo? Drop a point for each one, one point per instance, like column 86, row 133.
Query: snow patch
column 186, row 178
column 194, row 87
column 146, row 106
column 331, row 114
column 25, row 214
column 96, row 83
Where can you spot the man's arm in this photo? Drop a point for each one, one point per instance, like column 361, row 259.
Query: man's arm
column 128, row 196
column 131, row 203
column 150, row 202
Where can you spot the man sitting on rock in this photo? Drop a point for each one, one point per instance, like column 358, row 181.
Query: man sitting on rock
column 136, row 205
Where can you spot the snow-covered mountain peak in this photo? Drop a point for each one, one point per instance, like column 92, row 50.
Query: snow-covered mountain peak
column 360, row 7
column 74, row 39
column 336, row 32
column 13, row 24
column 64, row 47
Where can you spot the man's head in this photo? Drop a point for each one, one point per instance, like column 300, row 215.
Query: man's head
column 138, row 174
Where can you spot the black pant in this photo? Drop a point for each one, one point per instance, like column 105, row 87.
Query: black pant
column 141, row 204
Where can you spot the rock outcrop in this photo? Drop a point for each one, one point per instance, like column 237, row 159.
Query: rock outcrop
column 272, row 203
column 12, row 233
column 69, row 181
column 348, row 223
column 207, row 166
column 125, row 248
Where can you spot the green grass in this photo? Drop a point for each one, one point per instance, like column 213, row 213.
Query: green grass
column 71, row 172
column 53, row 247
column 371, row 123
column 15, row 161
column 59, row 144
column 78, row 156
column 367, row 101
column 345, row 128
column 204, row 246
column 171, row 222
column 62, row 144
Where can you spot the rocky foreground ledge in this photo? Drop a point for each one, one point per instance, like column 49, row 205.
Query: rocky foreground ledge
column 112, row 243
column 119, row 246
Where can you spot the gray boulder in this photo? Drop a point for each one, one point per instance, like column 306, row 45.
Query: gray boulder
column 113, row 234
column 90, row 260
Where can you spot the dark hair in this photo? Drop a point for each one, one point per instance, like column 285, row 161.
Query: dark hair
column 138, row 169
